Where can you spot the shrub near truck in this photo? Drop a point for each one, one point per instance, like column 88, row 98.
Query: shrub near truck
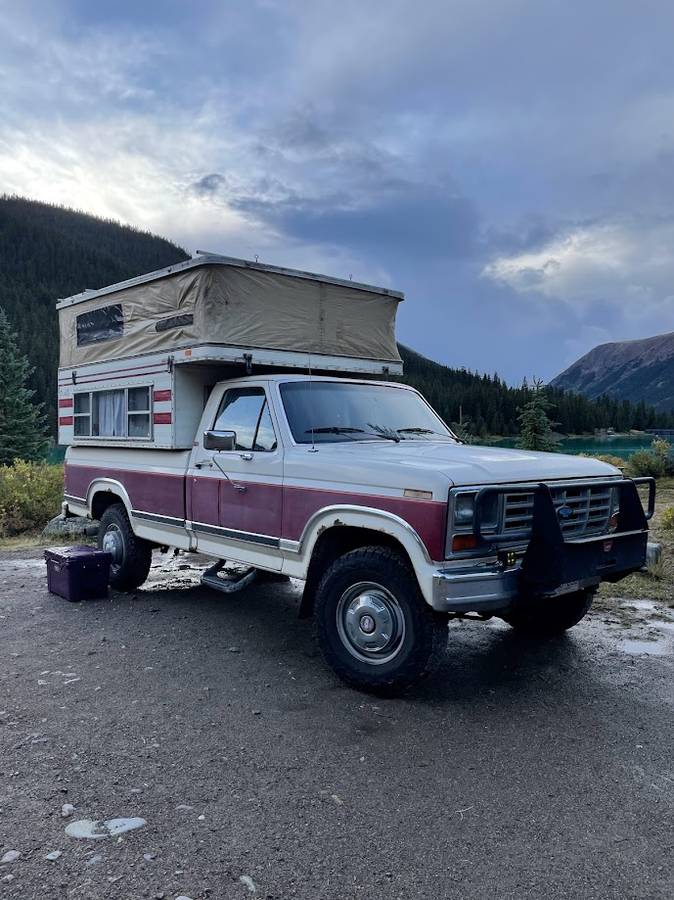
column 355, row 486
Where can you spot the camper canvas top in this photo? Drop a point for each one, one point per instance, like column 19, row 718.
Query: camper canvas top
column 217, row 307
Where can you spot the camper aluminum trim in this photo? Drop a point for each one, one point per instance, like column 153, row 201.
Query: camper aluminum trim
column 163, row 360
column 214, row 259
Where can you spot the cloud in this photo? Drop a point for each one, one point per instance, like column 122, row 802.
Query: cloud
column 209, row 184
column 626, row 263
column 488, row 159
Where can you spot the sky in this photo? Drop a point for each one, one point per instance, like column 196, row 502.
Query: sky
column 508, row 164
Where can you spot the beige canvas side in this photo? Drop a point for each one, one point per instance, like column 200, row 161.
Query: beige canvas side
column 246, row 308
column 250, row 308
column 143, row 306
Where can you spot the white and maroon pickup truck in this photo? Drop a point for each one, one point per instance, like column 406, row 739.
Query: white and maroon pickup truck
column 361, row 490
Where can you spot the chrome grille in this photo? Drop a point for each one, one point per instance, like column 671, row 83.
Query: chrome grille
column 590, row 510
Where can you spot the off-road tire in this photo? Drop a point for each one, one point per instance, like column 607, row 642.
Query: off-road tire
column 546, row 617
column 132, row 567
column 422, row 632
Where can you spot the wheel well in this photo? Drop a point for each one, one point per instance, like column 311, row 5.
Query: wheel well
column 335, row 542
column 101, row 501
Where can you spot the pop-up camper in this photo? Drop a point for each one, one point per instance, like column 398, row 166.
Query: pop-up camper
column 138, row 358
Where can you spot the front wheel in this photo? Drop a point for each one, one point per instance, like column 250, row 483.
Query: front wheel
column 131, row 555
column 550, row 616
column 372, row 624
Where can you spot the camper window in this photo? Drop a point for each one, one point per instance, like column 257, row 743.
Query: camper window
column 139, row 412
column 82, row 414
column 100, row 325
column 122, row 413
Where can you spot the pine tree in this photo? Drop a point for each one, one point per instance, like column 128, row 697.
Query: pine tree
column 22, row 422
column 535, row 425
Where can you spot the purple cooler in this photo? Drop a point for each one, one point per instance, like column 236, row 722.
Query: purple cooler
column 78, row 573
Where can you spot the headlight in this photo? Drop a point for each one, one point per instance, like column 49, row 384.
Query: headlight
column 460, row 537
column 464, row 509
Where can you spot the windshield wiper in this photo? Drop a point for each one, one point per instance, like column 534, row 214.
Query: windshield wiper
column 343, row 429
column 418, row 430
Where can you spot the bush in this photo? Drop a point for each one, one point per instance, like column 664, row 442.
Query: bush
column 645, row 463
column 667, row 518
column 616, row 461
column 30, row 495
column 663, row 450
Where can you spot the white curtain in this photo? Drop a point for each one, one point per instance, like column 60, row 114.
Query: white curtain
column 111, row 413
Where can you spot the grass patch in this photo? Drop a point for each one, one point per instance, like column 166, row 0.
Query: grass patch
column 26, row 541
column 658, row 582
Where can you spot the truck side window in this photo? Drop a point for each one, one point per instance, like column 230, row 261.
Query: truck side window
column 265, row 439
column 244, row 410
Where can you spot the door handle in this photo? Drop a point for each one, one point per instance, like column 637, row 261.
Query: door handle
column 246, row 456
column 206, row 464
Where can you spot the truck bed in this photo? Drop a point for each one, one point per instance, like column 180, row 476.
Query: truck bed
column 154, row 479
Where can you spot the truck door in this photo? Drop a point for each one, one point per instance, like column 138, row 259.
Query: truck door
column 240, row 491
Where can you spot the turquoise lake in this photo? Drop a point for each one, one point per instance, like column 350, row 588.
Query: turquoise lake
column 615, row 445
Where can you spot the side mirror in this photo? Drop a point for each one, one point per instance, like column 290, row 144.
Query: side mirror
column 220, row 440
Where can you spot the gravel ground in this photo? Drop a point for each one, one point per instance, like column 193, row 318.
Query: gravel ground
column 519, row 770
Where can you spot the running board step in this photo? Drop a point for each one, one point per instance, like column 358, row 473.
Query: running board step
column 211, row 579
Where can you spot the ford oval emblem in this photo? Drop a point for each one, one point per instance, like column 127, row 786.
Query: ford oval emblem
column 564, row 512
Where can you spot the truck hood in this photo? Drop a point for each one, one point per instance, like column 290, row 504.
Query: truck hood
column 434, row 464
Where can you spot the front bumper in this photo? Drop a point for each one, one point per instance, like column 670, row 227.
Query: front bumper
column 551, row 565
column 479, row 589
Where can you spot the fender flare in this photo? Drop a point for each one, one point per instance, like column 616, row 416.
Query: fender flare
column 352, row 516
column 108, row 486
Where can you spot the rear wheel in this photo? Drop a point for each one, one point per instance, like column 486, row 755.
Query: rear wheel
column 372, row 624
column 550, row 616
column 131, row 555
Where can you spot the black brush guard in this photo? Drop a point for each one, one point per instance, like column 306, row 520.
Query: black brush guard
column 553, row 564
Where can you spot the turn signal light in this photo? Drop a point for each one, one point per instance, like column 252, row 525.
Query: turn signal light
column 463, row 542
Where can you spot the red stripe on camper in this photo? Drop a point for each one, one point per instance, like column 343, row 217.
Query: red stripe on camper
column 65, row 420
column 66, row 403
column 160, row 396
column 162, row 418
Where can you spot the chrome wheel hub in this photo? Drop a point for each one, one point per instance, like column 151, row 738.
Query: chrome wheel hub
column 370, row 623
column 113, row 544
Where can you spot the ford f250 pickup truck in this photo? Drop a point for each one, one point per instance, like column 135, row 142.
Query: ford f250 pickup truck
column 353, row 485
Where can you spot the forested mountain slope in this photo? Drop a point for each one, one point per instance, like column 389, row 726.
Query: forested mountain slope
column 492, row 406
column 47, row 252
column 632, row 370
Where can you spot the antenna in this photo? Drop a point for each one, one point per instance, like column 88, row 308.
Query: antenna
column 313, row 449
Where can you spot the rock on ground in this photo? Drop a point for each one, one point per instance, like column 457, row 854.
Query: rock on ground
column 77, row 526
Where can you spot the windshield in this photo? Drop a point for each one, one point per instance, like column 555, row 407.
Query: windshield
column 340, row 411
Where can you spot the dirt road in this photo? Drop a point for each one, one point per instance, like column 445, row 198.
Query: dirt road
column 519, row 770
